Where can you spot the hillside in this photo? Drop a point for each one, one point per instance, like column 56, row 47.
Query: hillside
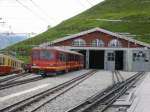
column 133, row 16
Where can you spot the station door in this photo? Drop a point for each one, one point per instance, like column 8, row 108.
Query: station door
column 96, row 59
column 114, row 60
column 119, row 60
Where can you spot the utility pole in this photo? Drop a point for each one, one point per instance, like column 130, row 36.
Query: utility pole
column 2, row 22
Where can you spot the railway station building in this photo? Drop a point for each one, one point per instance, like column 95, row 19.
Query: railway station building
column 106, row 50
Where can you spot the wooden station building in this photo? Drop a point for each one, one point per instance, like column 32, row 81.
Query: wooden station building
column 107, row 50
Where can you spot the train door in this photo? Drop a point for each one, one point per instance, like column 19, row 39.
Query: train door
column 84, row 54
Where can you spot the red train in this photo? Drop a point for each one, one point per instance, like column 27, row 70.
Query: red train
column 55, row 60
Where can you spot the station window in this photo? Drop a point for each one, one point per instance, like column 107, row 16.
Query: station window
column 140, row 56
column 97, row 43
column 111, row 57
column 114, row 43
column 79, row 42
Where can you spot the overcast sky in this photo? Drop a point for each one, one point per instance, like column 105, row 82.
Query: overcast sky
column 26, row 16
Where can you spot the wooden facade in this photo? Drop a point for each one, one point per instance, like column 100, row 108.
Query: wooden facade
column 106, row 38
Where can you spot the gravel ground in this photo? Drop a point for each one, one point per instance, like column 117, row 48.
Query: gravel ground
column 51, row 81
column 127, row 74
column 31, row 75
column 19, row 77
column 89, row 87
column 2, row 77
column 94, row 84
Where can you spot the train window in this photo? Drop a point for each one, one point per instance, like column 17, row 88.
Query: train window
column 35, row 55
column 57, row 56
column 71, row 57
column 62, row 57
column 16, row 64
column 66, row 57
column 1, row 61
column 12, row 63
column 46, row 55
column 8, row 61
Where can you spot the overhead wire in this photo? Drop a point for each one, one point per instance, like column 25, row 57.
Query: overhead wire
column 89, row 3
column 79, row 2
column 41, row 10
column 30, row 10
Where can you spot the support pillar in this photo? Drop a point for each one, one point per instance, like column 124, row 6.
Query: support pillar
column 129, row 60
column 87, row 58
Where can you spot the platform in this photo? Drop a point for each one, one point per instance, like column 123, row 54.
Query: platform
column 142, row 100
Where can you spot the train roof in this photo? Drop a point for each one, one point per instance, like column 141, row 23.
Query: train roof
column 8, row 56
column 58, row 49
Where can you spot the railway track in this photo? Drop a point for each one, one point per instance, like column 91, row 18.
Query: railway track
column 13, row 77
column 102, row 100
column 54, row 92
column 20, row 82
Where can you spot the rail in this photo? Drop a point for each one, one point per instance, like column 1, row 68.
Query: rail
column 61, row 87
column 105, row 98
column 13, row 77
column 17, row 83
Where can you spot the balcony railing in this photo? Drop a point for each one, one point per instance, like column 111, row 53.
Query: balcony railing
column 92, row 45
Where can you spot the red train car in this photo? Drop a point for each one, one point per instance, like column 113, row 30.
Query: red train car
column 55, row 60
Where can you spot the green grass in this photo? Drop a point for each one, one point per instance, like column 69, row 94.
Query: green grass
column 134, row 13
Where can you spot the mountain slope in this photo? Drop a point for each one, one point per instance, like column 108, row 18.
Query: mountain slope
column 8, row 39
column 132, row 16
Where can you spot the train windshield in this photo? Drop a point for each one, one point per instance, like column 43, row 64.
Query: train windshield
column 46, row 55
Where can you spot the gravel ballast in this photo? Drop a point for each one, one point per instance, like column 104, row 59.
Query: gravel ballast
column 76, row 95
column 89, row 87
column 51, row 81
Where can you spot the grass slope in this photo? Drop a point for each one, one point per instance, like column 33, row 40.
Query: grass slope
column 135, row 16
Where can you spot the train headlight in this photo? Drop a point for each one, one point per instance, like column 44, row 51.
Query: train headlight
column 34, row 64
column 50, row 64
